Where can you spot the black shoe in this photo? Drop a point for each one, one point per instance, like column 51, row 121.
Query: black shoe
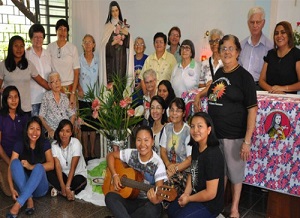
column 29, row 211
column 10, row 215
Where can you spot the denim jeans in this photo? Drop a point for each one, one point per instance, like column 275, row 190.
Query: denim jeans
column 127, row 208
column 36, row 185
column 191, row 210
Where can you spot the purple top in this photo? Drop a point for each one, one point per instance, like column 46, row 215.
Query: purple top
column 11, row 131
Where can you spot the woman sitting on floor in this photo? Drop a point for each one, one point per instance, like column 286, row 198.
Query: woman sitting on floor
column 30, row 160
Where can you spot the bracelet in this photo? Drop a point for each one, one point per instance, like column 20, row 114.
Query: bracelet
column 247, row 143
column 176, row 169
column 115, row 175
column 68, row 187
column 73, row 92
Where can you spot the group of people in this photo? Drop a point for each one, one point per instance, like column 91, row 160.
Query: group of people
column 196, row 158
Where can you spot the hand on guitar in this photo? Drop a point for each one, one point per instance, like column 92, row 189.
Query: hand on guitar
column 117, row 182
column 151, row 195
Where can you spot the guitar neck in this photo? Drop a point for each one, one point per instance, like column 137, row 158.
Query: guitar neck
column 135, row 184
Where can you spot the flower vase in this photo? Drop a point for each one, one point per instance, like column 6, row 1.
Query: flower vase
column 116, row 145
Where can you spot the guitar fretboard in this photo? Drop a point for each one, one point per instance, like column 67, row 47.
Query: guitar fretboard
column 135, row 184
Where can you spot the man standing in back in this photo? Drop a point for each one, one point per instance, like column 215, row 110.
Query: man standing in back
column 255, row 46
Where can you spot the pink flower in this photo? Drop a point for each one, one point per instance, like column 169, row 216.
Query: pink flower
column 123, row 103
column 95, row 114
column 121, row 42
column 122, row 37
column 96, row 104
column 110, row 86
column 130, row 112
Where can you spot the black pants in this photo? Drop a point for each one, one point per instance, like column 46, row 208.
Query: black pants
column 77, row 185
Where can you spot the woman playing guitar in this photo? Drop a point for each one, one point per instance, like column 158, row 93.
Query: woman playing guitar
column 144, row 160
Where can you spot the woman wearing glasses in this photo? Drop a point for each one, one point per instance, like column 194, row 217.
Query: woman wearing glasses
column 65, row 61
column 210, row 66
column 174, row 42
column 186, row 74
column 174, row 150
column 232, row 104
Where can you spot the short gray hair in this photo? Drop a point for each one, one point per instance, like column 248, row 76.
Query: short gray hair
column 52, row 74
column 216, row 32
column 256, row 10
column 149, row 72
column 141, row 39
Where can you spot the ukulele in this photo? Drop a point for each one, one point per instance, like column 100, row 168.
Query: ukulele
column 132, row 182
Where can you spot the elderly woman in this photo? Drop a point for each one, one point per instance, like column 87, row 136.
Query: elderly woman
column 281, row 70
column 64, row 58
column 42, row 61
column 161, row 61
column 114, row 45
column 139, row 60
column 186, row 74
column 210, row 66
column 232, row 104
column 151, row 89
column 89, row 66
column 174, row 42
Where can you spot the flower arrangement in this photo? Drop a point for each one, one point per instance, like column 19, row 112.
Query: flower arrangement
column 117, row 32
column 113, row 110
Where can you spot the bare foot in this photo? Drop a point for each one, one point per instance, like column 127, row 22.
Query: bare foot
column 234, row 214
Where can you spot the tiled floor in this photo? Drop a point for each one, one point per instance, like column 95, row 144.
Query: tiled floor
column 253, row 205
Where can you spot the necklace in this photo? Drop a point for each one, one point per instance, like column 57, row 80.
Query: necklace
column 229, row 71
column 67, row 155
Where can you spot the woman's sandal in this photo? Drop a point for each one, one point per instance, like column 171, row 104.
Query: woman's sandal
column 10, row 215
column 29, row 211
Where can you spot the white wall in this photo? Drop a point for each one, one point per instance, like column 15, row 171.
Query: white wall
column 193, row 17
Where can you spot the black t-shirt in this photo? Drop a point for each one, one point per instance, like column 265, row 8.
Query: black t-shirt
column 208, row 165
column 229, row 98
column 282, row 71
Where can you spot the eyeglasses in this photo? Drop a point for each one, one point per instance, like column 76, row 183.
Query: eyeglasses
column 59, row 53
column 150, row 81
column 216, row 41
column 155, row 108
column 186, row 47
column 229, row 49
column 176, row 110
column 258, row 22
column 139, row 44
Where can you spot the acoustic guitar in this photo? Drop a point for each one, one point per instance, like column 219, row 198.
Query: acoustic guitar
column 132, row 182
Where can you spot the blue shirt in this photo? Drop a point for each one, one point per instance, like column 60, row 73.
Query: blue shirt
column 11, row 131
column 88, row 73
column 251, row 57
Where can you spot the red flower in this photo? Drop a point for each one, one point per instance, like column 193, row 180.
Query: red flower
column 95, row 114
column 131, row 112
column 123, row 103
column 96, row 104
column 147, row 105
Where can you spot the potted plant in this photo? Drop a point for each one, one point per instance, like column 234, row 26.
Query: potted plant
column 113, row 112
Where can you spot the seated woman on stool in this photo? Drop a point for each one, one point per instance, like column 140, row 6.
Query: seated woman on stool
column 30, row 160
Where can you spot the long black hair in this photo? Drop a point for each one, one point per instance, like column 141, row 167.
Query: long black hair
column 5, row 109
column 212, row 139
column 112, row 4
column 39, row 146
column 170, row 89
column 10, row 63
column 162, row 102
column 61, row 125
